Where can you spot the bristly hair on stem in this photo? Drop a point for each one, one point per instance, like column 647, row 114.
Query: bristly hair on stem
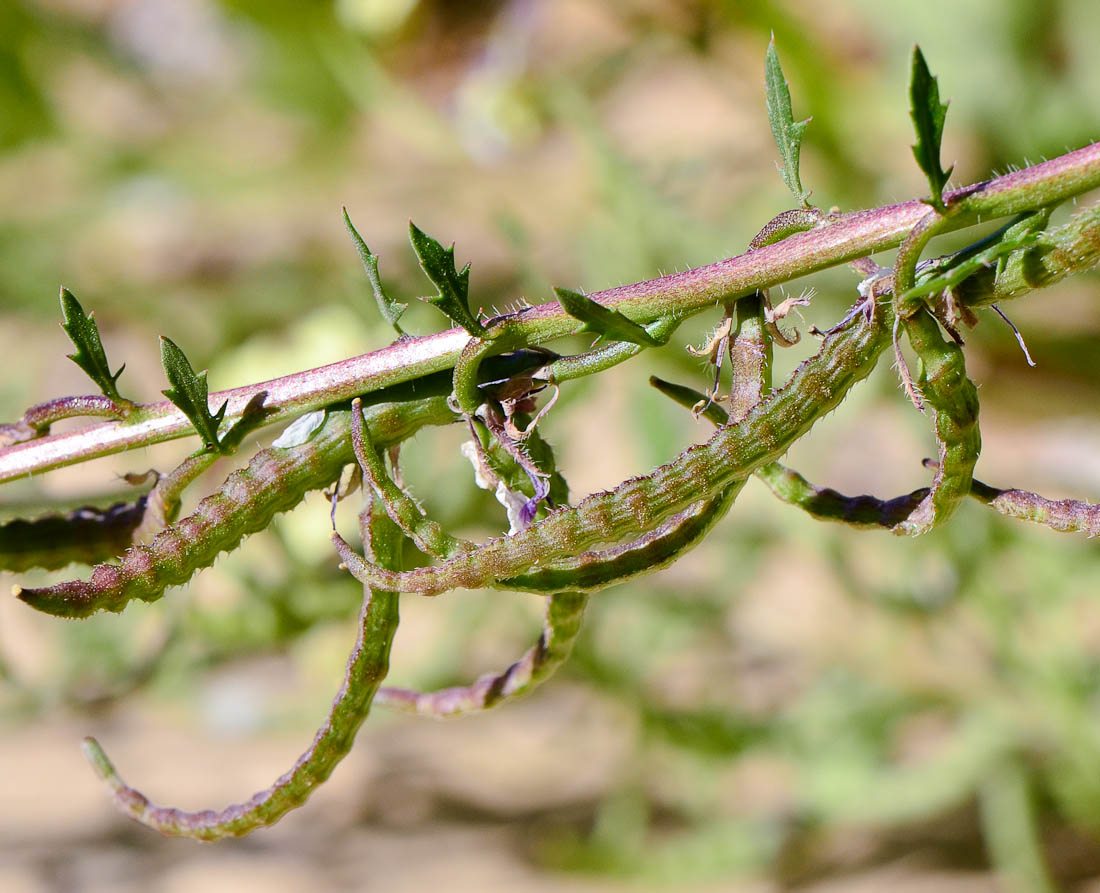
column 489, row 373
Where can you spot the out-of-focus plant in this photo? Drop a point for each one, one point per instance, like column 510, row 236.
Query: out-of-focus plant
column 490, row 374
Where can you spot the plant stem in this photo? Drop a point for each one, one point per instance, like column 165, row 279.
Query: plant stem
column 838, row 240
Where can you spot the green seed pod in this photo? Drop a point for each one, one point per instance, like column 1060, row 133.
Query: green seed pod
column 953, row 400
column 367, row 667
column 564, row 614
column 1063, row 515
column 86, row 535
column 274, row 481
column 847, row 356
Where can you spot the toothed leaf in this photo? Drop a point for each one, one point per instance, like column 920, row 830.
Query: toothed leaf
column 390, row 309
column 604, row 321
column 928, row 115
column 90, row 356
column 787, row 131
column 438, row 264
column 190, row 393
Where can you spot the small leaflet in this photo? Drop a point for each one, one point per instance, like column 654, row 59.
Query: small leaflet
column 83, row 331
column 787, row 132
column 190, row 393
column 928, row 115
column 606, row 322
column 438, row 264
column 390, row 309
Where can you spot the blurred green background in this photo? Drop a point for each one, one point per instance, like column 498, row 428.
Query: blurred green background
column 793, row 705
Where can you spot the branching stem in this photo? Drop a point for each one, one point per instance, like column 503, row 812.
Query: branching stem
column 846, row 237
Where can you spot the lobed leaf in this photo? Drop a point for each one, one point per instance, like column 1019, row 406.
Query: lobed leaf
column 438, row 264
column 605, row 321
column 787, row 132
column 390, row 309
column 190, row 393
column 928, row 115
column 83, row 331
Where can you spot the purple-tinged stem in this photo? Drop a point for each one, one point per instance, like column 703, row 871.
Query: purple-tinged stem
column 845, row 238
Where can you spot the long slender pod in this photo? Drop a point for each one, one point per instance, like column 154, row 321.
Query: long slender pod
column 367, row 667
column 274, row 481
column 1063, row 515
column 90, row 535
column 86, row 535
column 592, row 571
column 827, row 504
column 953, row 399
column 587, row 573
column 788, row 485
column 564, row 614
column 401, row 508
column 846, row 357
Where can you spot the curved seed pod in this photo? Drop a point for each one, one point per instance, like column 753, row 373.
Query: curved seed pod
column 467, row 380
column 655, row 549
column 816, row 387
column 37, row 420
column 786, row 484
column 829, row 505
column 905, row 271
column 90, row 535
column 367, row 667
column 275, row 481
column 564, row 614
column 953, row 400
column 589, row 571
column 565, row 610
column 988, row 253
column 1056, row 253
column 1063, row 515
column 86, row 535
column 401, row 508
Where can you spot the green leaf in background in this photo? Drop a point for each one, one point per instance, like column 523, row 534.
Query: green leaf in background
column 90, row 356
column 604, row 321
column 390, row 309
column 787, row 132
column 928, row 115
column 438, row 264
column 190, row 393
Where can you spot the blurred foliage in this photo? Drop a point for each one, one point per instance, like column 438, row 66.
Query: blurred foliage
column 181, row 164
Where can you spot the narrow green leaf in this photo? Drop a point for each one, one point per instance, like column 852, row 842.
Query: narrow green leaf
column 604, row 321
column 928, row 115
column 438, row 264
column 689, row 398
column 190, row 393
column 787, row 131
column 390, row 309
column 90, row 356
